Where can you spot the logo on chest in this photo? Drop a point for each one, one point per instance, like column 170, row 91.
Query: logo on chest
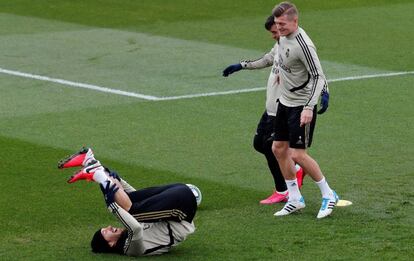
column 282, row 64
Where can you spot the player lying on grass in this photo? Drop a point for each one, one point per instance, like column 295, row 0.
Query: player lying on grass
column 155, row 219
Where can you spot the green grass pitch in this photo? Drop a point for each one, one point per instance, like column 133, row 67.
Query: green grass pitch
column 364, row 143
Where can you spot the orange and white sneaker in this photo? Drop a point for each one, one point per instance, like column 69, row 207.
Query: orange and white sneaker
column 87, row 172
column 79, row 159
column 300, row 174
column 276, row 197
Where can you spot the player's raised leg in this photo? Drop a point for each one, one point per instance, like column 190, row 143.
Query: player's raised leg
column 94, row 171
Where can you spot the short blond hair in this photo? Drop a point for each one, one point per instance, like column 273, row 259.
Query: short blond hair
column 285, row 8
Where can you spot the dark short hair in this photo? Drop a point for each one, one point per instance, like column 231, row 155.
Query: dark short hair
column 100, row 245
column 285, row 8
column 270, row 21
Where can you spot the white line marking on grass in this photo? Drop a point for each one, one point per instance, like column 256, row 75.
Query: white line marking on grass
column 351, row 78
column 189, row 96
column 168, row 98
column 79, row 85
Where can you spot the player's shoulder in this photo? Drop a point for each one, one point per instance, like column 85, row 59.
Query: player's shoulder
column 274, row 48
column 303, row 37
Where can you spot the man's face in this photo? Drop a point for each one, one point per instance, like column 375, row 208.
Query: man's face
column 111, row 234
column 274, row 32
column 286, row 25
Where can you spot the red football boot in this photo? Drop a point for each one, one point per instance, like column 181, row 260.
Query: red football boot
column 300, row 174
column 87, row 172
column 276, row 197
column 78, row 159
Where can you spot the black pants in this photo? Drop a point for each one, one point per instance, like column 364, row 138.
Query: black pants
column 262, row 142
column 174, row 202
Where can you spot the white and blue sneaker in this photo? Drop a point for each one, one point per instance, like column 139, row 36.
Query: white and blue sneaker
column 328, row 205
column 290, row 207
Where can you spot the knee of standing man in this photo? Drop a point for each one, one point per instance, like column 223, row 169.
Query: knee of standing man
column 298, row 155
column 279, row 149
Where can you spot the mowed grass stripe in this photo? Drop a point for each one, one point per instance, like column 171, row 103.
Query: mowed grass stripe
column 132, row 61
column 77, row 84
column 210, row 138
column 189, row 96
column 229, row 218
column 137, row 63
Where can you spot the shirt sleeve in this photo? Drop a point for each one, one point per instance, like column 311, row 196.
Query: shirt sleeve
column 263, row 62
column 311, row 61
column 134, row 243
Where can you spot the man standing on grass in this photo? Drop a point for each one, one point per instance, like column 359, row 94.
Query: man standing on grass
column 263, row 138
column 301, row 83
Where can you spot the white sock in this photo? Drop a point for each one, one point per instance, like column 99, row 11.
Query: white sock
column 88, row 158
column 293, row 189
column 100, row 177
column 326, row 191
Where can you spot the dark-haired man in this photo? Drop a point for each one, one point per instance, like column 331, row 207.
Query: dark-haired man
column 155, row 219
column 301, row 83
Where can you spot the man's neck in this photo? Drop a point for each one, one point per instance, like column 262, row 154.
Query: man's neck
column 294, row 33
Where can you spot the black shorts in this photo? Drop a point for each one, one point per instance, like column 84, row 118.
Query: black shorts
column 287, row 127
column 169, row 202
column 266, row 125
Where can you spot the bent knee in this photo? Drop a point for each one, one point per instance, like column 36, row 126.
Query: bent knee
column 258, row 143
column 298, row 155
column 279, row 149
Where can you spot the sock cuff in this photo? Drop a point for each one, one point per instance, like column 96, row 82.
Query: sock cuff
column 321, row 181
column 291, row 181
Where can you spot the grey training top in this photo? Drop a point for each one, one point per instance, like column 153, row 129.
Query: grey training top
column 272, row 90
column 149, row 238
column 301, row 75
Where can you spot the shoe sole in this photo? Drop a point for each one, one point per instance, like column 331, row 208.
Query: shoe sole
column 296, row 209
column 76, row 177
column 271, row 203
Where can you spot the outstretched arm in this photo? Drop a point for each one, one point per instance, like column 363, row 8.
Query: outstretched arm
column 263, row 62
